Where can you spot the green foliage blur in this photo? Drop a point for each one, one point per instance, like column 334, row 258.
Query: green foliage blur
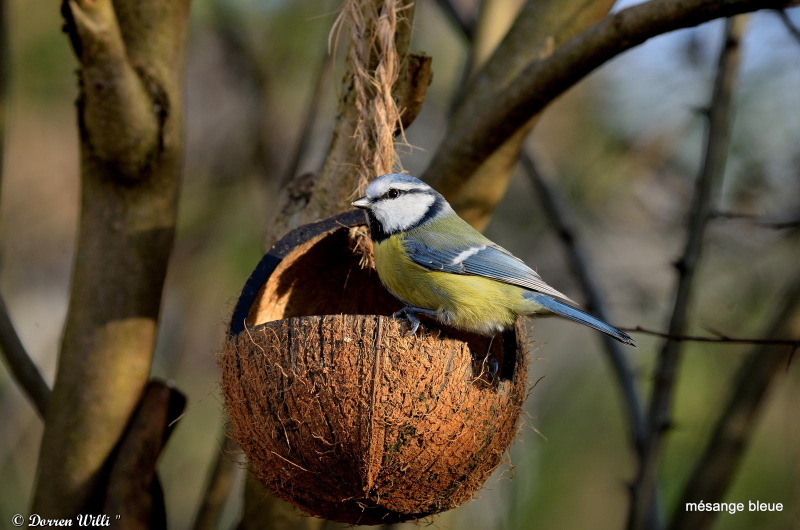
column 625, row 146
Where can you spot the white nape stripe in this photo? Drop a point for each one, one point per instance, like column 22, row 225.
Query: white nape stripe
column 458, row 260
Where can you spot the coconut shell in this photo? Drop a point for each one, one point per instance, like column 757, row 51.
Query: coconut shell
column 344, row 416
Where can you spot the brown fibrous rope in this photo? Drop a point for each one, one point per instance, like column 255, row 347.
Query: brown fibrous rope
column 372, row 35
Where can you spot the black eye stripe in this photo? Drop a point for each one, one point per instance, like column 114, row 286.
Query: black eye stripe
column 394, row 193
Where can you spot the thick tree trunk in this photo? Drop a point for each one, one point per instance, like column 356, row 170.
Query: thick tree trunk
column 130, row 114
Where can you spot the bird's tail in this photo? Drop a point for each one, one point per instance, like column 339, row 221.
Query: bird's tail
column 567, row 311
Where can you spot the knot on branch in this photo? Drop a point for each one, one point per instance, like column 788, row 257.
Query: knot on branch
column 122, row 108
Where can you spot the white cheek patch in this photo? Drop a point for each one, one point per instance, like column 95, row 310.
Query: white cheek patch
column 458, row 260
column 403, row 212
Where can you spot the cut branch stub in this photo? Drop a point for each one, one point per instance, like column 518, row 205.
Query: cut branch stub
column 344, row 416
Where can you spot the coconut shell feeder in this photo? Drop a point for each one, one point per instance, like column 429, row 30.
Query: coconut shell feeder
column 342, row 415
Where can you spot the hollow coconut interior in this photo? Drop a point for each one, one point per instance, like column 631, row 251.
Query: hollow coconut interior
column 331, row 273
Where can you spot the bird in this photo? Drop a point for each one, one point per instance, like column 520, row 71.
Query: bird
column 439, row 266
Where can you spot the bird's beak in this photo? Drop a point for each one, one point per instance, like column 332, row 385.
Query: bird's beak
column 363, row 202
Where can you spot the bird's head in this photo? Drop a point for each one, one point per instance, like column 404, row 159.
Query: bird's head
column 397, row 203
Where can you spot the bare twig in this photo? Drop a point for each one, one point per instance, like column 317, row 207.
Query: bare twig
column 470, row 30
column 559, row 216
column 736, row 426
column 21, row 366
column 240, row 55
column 243, row 60
column 312, row 110
column 465, row 148
column 793, row 31
column 766, row 222
column 706, row 189
column 465, row 27
column 218, row 487
column 557, row 211
column 720, row 339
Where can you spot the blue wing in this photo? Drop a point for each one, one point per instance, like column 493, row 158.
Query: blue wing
column 478, row 257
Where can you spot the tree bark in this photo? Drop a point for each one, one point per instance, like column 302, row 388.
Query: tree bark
column 539, row 28
column 540, row 82
column 130, row 115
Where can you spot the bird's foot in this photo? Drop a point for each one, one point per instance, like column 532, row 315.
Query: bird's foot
column 494, row 367
column 410, row 312
column 492, row 364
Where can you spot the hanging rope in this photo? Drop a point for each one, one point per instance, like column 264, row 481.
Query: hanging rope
column 373, row 28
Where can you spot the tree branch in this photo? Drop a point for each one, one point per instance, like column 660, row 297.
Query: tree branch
column 723, row 339
column 559, row 216
column 412, row 88
column 540, row 27
column 465, row 27
column 245, row 63
column 218, row 486
column 737, row 425
column 119, row 117
column 706, row 189
column 134, row 491
column 557, row 212
column 790, row 27
column 304, row 139
column 773, row 223
column 125, row 235
column 21, row 366
column 466, row 148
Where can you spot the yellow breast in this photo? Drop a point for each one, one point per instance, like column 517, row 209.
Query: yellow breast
column 471, row 303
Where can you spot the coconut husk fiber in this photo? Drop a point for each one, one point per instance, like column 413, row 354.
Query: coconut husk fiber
column 342, row 415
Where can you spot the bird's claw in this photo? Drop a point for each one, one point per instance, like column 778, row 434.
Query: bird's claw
column 494, row 367
column 413, row 321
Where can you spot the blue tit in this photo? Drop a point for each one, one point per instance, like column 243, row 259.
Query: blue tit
column 439, row 266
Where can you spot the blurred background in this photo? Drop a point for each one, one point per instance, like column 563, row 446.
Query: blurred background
column 625, row 146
